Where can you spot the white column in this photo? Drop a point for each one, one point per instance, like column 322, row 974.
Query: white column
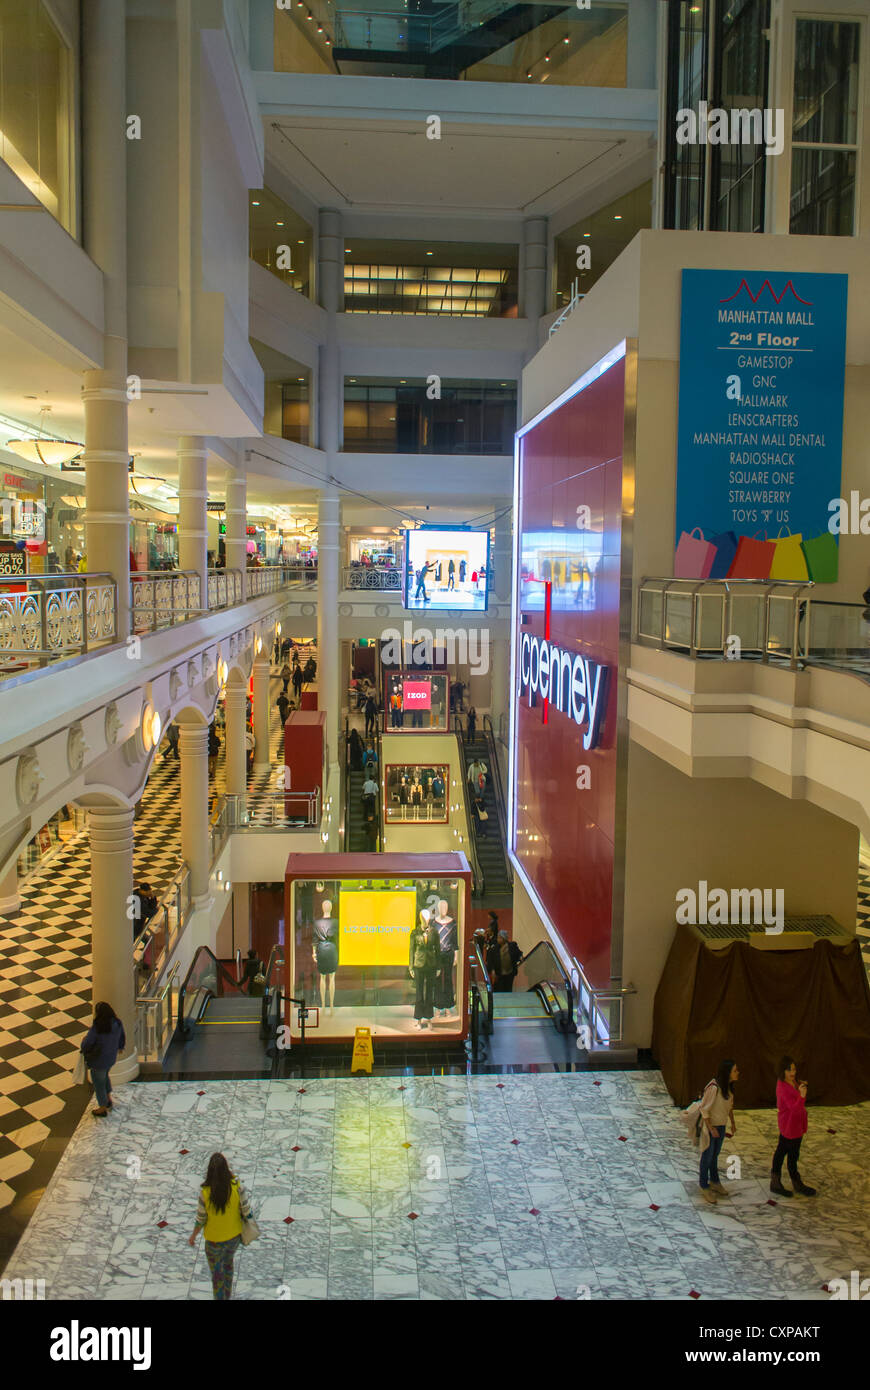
column 330, row 388
column 237, row 491
column 234, row 733
column 195, row 848
column 328, row 571
column 104, row 232
column 533, row 290
column 111, row 840
column 262, row 757
column 192, row 511
column 10, row 898
column 502, row 558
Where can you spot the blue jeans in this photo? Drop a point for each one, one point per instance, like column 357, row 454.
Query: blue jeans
column 101, row 1087
column 710, row 1159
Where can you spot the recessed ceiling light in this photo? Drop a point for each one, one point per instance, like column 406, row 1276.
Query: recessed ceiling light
column 352, row 378
column 430, row 253
column 566, row 39
column 279, row 224
column 617, row 217
column 347, row 250
column 301, row 241
column 587, row 233
column 255, row 203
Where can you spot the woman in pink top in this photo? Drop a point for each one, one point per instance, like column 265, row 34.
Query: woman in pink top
column 792, row 1115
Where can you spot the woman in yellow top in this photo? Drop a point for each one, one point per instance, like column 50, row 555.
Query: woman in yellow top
column 222, row 1212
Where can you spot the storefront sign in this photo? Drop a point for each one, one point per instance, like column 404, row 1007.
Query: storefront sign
column 759, row 447
column 571, row 684
column 12, row 562
column 417, row 694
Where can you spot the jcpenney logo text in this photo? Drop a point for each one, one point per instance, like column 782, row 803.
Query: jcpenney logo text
column 573, row 684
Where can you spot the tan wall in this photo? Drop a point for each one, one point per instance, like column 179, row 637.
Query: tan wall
column 734, row 834
column 419, row 750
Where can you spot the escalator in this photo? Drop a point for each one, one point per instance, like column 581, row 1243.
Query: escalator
column 356, row 839
column 489, row 837
column 534, row 1023
column 218, row 1027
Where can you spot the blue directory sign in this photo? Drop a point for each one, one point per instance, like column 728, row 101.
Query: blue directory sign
column 759, row 444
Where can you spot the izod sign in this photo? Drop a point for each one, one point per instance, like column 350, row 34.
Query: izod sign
column 572, row 684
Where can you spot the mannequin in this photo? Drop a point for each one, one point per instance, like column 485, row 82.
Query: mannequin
column 325, row 952
column 423, row 960
column 448, row 953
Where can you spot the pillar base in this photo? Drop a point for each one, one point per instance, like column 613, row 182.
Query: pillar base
column 12, row 904
column 125, row 1069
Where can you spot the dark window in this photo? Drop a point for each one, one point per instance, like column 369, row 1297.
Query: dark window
column 471, row 417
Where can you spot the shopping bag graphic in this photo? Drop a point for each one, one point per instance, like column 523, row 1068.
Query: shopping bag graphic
column 821, row 556
column 753, row 559
column 693, row 556
column 789, row 561
column 726, row 549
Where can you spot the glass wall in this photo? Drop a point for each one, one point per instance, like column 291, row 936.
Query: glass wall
column 462, row 279
column 606, row 232
column 825, row 128
column 474, row 41
column 36, row 106
column 280, row 240
column 389, row 417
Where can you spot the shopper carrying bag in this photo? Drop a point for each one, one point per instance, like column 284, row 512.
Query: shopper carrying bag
column 225, row 1218
column 100, row 1047
column 717, row 1112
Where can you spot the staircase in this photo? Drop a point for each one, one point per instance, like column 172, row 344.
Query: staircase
column 355, row 835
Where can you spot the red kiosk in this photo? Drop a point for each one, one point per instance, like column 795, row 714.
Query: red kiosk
column 358, row 925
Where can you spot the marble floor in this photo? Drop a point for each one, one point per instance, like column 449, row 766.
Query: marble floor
column 522, row 1187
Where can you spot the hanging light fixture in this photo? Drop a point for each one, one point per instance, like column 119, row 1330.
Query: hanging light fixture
column 43, row 448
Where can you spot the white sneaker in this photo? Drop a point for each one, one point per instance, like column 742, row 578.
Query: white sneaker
column 417, row 1024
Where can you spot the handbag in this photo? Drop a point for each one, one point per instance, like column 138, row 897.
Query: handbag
column 693, row 557
column 80, row 1070
column 789, row 561
column 726, row 549
column 250, row 1231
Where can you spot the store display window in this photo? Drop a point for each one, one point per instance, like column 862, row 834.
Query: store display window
column 378, row 941
column 416, row 793
column 416, row 700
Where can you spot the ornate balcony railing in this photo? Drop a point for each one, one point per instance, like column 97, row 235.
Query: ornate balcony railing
column 273, row 577
column 373, row 577
column 45, row 618
column 161, row 598
column 224, row 588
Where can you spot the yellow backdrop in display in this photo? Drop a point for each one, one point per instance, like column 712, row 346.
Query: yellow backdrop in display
column 374, row 927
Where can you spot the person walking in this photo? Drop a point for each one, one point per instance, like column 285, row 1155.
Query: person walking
column 100, row 1047
column 172, row 739
column 252, row 968
column 286, row 673
column 221, row 1215
column 297, row 681
column 283, row 707
column 250, row 744
column 214, row 747
column 356, row 751
column 471, row 725
column 506, row 957
column 791, row 1112
column 371, row 713
column 717, row 1112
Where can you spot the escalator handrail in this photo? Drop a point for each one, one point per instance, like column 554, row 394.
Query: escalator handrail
column 498, row 793
column 547, row 977
column 487, row 980
column 479, row 876
column 221, row 971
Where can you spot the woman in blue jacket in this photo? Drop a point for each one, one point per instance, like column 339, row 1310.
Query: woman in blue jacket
column 102, row 1043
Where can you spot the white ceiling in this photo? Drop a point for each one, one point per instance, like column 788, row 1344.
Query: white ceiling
column 390, row 166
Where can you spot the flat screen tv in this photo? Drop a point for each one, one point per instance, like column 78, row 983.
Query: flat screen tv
column 446, row 568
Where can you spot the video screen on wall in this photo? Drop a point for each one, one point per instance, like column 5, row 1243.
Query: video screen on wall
column 446, row 568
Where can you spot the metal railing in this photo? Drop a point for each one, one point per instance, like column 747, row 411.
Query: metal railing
column 270, row 578
column 262, row 811
column 159, row 937
column 372, row 577
column 154, row 1019
column 224, row 588
column 478, row 878
column 45, row 618
column 162, row 598
column 771, row 620
column 604, row 1008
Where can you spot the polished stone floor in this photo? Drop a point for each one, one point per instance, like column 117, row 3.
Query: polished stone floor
column 524, row 1186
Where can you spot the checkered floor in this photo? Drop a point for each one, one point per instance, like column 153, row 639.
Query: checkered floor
column 45, row 964
column 862, row 929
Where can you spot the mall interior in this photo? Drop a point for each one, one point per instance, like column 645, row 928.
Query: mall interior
column 438, row 809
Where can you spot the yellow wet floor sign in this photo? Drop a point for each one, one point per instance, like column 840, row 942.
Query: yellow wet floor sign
column 362, row 1051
